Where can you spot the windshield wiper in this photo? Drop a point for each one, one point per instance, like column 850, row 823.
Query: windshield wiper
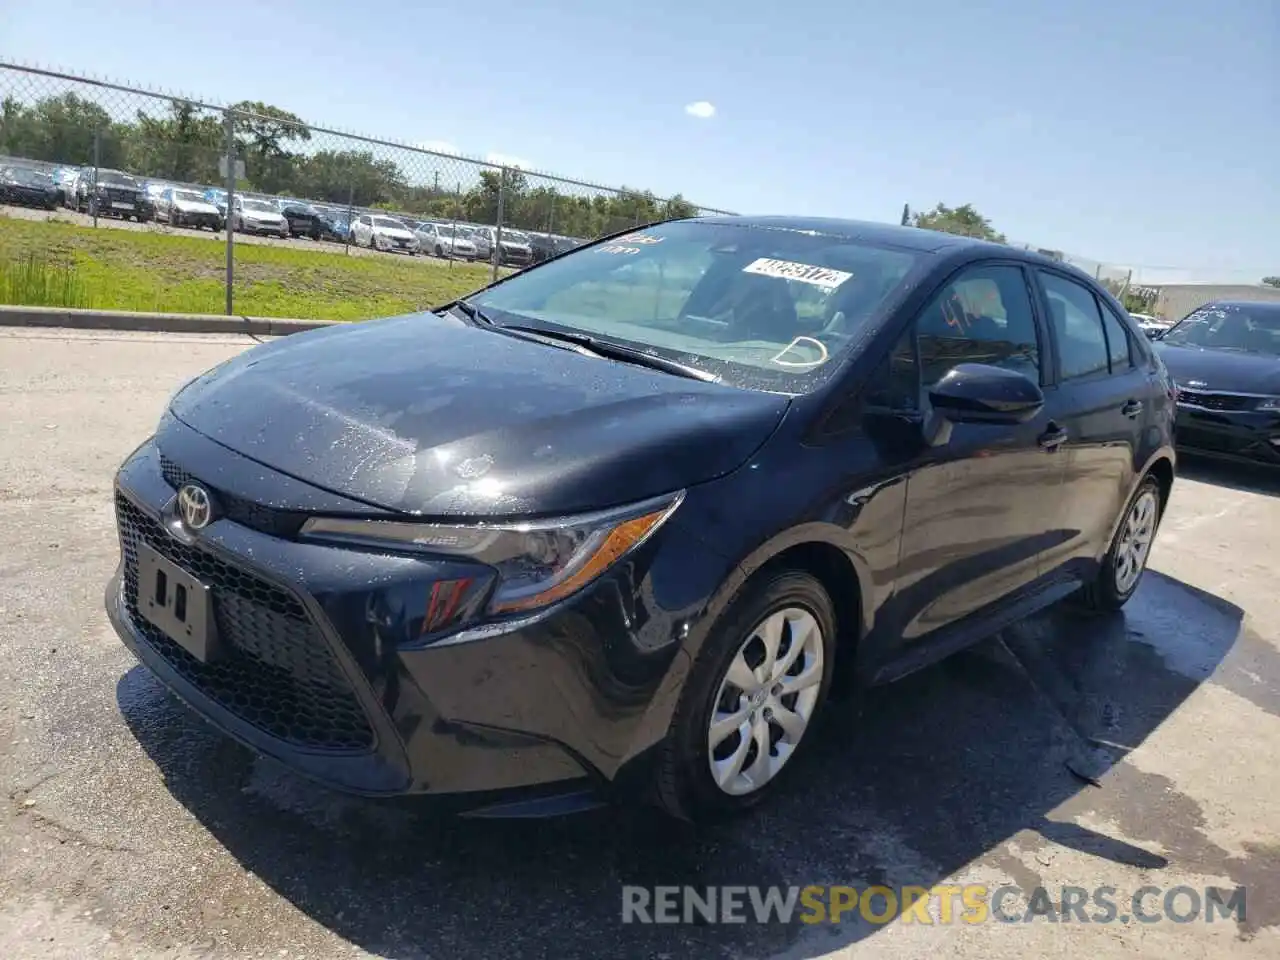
column 472, row 313
column 616, row 351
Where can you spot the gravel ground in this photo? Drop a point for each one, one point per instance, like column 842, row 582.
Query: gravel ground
column 130, row 830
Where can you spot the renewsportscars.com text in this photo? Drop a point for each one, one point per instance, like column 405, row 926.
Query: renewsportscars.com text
column 939, row 904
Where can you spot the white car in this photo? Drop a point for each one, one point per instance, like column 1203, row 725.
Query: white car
column 446, row 240
column 1151, row 326
column 258, row 216
column 183, row 207
column 383, row 233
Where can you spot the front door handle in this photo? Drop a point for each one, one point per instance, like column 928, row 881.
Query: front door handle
column 1052, row 438
column 1132, row 408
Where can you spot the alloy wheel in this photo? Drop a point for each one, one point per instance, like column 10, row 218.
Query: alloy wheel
column 1134, row 543
column 765, row 701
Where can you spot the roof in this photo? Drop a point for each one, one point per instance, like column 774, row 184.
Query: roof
column 909, row 238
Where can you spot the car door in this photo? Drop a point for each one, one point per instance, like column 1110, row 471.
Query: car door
column 1102, row 392
column 980, row 507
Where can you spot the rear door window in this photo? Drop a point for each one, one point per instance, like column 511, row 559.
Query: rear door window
column 1077, row 327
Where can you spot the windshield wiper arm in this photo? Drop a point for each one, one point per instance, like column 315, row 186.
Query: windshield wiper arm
column 471, row 312
column 616, row 351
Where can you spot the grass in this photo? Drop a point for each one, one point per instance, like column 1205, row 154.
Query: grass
column 52, row 263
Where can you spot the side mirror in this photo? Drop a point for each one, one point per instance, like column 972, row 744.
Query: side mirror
column 979, row 393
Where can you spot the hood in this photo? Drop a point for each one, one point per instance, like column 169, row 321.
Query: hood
column 400, row 232
column 1224, row 371
column 430, row 415
column 261, row 215
column 195, row 206
column 517, row 244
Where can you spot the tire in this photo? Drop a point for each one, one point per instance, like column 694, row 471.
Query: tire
column 1117, row 580
column 685, row 784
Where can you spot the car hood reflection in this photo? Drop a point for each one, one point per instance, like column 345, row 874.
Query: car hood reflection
column 429, row 415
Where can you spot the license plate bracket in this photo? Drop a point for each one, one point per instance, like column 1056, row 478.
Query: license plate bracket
column 177, row 603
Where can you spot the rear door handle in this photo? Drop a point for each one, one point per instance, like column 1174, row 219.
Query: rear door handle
column 1132, row 408
column 1052, row 438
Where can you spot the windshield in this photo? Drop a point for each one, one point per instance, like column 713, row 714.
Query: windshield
column 386, row 223
column 259, row 205
column 764, row 308
column 116, row 179
column 26, row 175
column 514, row 236
column 1251, row 328
column 189, row 196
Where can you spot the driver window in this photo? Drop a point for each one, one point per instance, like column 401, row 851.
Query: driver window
column 983, row 316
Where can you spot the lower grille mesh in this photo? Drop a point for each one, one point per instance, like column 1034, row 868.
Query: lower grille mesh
column 276, row 671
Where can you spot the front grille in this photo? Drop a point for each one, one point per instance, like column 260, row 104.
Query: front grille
column 1214, row 401
column 276, row 671
column 256, row 516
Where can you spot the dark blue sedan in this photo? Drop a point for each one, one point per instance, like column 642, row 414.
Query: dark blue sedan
column 614, row 527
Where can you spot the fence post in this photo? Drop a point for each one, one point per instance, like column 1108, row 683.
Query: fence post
column 351, row 203
column 453, row 224
column 230, row 225
column 496, row 253
column 97, row 159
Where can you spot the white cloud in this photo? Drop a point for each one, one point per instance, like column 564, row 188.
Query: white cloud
column 439, row 146
column 701, row 109
column 507, row 160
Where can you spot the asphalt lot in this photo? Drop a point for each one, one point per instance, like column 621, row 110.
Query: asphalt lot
column 110, row 223
column 130, row 830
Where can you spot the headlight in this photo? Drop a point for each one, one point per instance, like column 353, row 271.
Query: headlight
column 538, row 562
column 1270, row 404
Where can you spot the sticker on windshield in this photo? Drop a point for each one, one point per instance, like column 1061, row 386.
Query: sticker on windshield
column 638, row 238
column 823, row 277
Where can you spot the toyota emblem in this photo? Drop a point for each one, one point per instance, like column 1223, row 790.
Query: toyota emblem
column 194, row 506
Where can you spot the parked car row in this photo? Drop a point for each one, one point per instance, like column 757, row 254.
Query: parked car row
column 114, row 193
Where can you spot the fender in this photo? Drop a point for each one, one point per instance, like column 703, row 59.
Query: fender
column 1165, row 453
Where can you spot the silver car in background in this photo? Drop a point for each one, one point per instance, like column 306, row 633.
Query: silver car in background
column 517, row 249
column 184, row 207
column 258, row 216
column 446, row 240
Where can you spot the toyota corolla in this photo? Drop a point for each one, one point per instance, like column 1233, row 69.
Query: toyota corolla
column 614, row 526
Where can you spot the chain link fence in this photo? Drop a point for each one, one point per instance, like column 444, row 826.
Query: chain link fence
column 418, row 226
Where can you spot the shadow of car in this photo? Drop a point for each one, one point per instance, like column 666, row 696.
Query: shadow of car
column 945, row 765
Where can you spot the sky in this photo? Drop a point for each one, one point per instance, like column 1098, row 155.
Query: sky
column 1144, row 133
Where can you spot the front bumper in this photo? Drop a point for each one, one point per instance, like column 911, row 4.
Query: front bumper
column 197, row 218
column 325, row 669
column 1246, row 436
column 263, row 228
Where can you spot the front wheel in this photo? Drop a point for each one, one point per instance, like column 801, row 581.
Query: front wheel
column 1126, row 561
column 753, row 693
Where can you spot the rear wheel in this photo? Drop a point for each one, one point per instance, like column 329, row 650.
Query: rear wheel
column 1126, row 560
column 758, row 683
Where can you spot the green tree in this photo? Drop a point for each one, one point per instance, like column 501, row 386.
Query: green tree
column 963, row 220
column 1140, row 299
column 262, row 134
column 1271, row 281
column 184, row 146
column 336, row 176
column 60, row 130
